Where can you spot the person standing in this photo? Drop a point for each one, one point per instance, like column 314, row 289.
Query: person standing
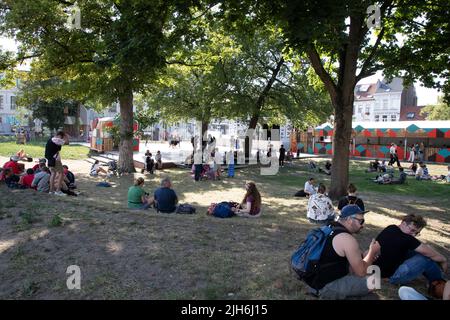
column 282, row 156
column 230, row 161
column 411, row 153
column 421, row 151
column 52, row 154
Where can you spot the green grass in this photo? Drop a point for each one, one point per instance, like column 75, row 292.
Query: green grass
column 292, row 176
column 36, row 150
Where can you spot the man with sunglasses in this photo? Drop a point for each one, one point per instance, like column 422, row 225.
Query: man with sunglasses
column 342, row 267
column 404, row 258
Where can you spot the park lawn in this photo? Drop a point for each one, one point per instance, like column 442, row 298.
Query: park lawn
column 36, row 150
column 145, row 255
column 290, row 175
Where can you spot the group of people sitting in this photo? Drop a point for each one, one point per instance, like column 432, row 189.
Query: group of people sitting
column 396, row 250
column 418, row 170
column 165, row 199
column 37, row 177
column 320, row 207
column 401, row 257
column 312, row 166
column 152, row 164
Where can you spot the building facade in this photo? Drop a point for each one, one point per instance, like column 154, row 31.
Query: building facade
column 382, row 101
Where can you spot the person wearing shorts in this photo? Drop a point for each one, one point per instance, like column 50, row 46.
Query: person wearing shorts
column 52, row 153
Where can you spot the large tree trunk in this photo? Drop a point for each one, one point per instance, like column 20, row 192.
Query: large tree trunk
column 126, row 163
column 205, row 124
column 342, row 96
column 341, row 142
column 77, row 121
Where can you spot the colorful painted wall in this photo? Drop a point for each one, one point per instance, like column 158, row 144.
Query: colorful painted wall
column 432, row 154
column 376, row 151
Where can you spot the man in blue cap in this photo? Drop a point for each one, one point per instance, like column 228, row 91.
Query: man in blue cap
column 342, row 268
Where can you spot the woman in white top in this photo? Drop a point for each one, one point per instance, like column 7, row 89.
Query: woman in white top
column 309, row 187
column 96, row 169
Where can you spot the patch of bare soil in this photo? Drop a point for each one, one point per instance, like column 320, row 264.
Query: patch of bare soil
column 125, row 254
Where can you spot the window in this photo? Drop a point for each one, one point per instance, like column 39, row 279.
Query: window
column 385, row 103
column 367, row 110
column 1, row 102
column 13, row 103
column 384, row 118
column 377, row 118
column 393, row 117
column 359, row 110
column 410, row 115
column 113, row 108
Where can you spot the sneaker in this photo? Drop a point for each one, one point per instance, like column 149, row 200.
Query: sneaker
column 59, row 193
column 51, row 192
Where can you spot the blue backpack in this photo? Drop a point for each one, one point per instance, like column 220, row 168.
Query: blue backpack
column 223, row 210
column 305, row 260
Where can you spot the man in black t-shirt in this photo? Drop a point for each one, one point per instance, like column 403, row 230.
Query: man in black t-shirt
column 403, row 258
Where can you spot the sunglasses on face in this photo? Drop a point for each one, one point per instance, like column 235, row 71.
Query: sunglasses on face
column 361, row 221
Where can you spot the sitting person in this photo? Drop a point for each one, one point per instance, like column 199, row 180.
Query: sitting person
column 165, row 197
column 11, row 179
column 23, row 156
column 312, row 166
column 26, row 180
column 289, row 156
column 320, row 207
column 373, row 166
column 342, row 268
column 308, row 189
column 96, row 169
column 137, row 197
column 41, row 180
column 422, row 172
column 327, row 168
column 250, row 206
column 382, row 166
column 351, row 198
column 404, row 258
column 69, row 178
column 40, row 163
column 401, row 179
column 12, row 163
column 413, row 167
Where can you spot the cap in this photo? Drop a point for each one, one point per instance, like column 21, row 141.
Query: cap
column 350, row 210
column 15, row 158
column 42, row 160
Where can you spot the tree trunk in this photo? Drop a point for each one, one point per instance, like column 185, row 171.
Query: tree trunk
column 205, row 124
column 126, row 163
column 341, row 142
column 77, row 121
